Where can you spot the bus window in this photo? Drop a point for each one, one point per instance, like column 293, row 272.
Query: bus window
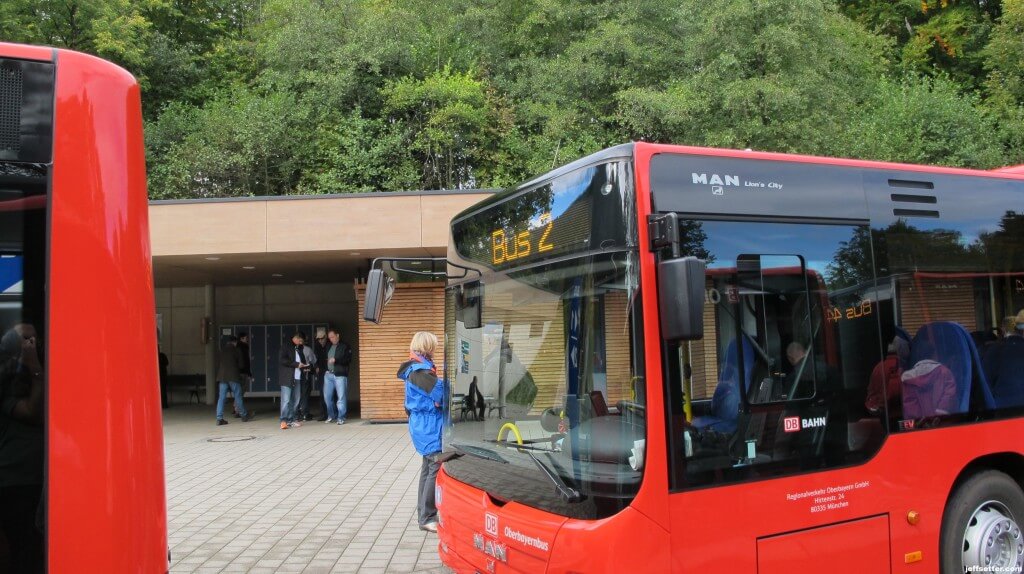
column 954, row 278
column 779, row 382
column 22, row 373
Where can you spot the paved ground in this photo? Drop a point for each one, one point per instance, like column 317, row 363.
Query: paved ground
column 249, row 497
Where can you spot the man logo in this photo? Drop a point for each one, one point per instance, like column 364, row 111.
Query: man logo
column 791, row 424
column 491, row 524
column 715, row 179
column 717, row 190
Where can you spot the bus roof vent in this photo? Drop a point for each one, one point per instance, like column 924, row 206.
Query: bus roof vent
column 11, row 97
column 911, row 184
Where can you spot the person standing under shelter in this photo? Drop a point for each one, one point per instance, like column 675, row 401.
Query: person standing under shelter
column 246, row 370
column 1004, row 364
column 338, row 357
column 291, row 364
column 424, row 402
column 229, row 374
column 308, row 378
column 320, row 350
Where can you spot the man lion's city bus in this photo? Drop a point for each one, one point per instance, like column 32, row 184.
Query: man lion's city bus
column 81, row 446
column 699, row 360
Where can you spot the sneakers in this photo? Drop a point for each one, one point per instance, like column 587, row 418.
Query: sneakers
column 248, row 416
column 341, row 421
column 329, row 421
column 429, row 527
column 221, row 422
column 307, row 418
column 295, row 424
column 284, row 425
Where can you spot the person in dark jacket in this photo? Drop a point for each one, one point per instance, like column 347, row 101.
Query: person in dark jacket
column 229, row 372
column 424, row 402
column 291, row 370
column 337, row 359
column 246, row 370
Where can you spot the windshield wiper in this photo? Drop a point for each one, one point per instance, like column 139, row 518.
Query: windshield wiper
column 479, row 452
column 566, row 492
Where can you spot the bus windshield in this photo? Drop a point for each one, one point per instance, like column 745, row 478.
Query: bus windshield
column 543, row 359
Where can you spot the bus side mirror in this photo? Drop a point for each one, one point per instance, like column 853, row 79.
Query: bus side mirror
column 681, row 298
column 379, row 289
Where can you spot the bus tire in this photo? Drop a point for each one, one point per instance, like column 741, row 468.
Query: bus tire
column 981, row 526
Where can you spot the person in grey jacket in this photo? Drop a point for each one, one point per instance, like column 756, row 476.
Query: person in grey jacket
column 229, row 374
column 309, row 377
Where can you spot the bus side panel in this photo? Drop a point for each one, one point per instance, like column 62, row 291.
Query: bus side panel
column 626, row 542
column 914, row 471
column 849, row 548
column 106, row 505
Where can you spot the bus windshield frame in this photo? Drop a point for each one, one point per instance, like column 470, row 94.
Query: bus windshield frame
column 543, row 349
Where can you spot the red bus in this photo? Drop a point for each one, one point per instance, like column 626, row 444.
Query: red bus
column 702, row 360
column 81, row 445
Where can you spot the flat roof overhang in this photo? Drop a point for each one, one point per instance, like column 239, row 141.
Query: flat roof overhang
column 297, row 239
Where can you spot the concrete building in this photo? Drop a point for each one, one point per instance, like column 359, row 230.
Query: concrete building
column 271, row 264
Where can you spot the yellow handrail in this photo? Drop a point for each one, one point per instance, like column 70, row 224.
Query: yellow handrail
column 503, row 432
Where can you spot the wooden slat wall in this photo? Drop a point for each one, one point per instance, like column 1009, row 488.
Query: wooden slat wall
column 704, row 357
column 382, row 348
column 616, row 321
column 925, row 300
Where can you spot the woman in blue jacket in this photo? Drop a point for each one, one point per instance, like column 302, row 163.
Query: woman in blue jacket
column 424, row 403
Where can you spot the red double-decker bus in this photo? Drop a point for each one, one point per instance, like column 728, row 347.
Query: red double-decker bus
column 698, row 360
column 81, row 446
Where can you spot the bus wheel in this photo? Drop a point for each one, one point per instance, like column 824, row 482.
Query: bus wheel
column 981, row 527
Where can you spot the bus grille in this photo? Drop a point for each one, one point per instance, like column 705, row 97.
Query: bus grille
column 11, row 97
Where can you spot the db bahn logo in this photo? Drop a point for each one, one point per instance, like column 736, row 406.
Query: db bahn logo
column 794, row 424
column 491, row 524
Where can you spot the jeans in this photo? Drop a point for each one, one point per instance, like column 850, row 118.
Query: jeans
column 426, row 508
column 236, row 390
column 307, row 388
column 290, row 400
column 335, row 396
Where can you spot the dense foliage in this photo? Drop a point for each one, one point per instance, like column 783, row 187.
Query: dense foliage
column 264, row 97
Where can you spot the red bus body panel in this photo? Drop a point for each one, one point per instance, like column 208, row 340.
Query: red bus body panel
column 106, row 500
column 23, row 52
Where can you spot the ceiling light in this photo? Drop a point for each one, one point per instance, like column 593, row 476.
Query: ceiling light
column 299, row 281
column 355, row 253
column 248, row 267
column 417, row 263
column 277, row 275
column 213, row 258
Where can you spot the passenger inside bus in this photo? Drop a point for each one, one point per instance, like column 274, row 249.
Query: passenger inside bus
column 946, row 368
column 1004, row 364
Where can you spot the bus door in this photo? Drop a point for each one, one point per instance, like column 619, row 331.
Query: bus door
column 775, row 389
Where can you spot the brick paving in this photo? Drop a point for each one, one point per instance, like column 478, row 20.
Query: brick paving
column 249, row 497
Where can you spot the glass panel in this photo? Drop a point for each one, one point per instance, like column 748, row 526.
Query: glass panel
column 956, row 283
column 779, row 382
column 23, row 247
column 545, row 391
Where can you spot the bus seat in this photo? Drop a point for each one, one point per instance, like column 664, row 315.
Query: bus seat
column 950, row 345
column 1004, row 371
column 725, row 403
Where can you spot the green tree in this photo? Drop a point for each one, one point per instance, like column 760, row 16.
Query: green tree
column 926, row 121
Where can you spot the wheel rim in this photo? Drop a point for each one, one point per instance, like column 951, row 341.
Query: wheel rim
column 992, row 540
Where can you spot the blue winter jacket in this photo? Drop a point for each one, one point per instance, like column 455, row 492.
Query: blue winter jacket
column 423, row 390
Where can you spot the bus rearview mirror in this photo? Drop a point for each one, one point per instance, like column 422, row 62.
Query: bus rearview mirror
column 681, row 298
column 379, row 289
